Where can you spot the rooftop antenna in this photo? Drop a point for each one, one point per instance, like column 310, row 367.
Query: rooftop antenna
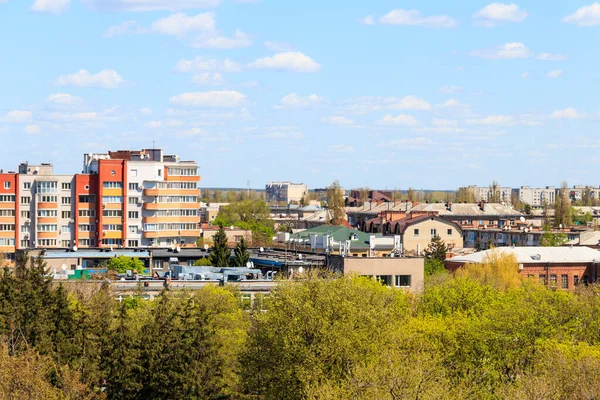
column 153, row 145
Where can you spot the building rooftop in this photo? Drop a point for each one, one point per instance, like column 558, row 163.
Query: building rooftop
column 536, row 255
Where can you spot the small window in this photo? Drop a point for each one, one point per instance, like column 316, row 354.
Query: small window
column 25, row 200
column 553, row 280
column 416, row 232
column 7, row 185
column 403, row 280
column 564, row 281
column 66, row 186
column 576, row 280
column 449, row 232
column 133, row 186
column 433, row 232
column 160, row 172
column 542, row 278
column 27, row 185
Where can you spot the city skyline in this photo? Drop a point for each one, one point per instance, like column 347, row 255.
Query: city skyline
column 386, row 95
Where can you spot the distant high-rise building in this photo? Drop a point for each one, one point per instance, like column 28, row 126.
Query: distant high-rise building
column 285, row 192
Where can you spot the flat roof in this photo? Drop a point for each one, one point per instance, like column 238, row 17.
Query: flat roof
column 536, row 255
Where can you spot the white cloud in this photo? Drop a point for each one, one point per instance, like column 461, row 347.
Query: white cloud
column 492, row 120
column 438, row 122
column 212, row 99
column 340, row 148
column 337, row 120
column 567, row 113
column 63, row 98
column 451, row 89
column 452, row 103
column 416, row 143
column 585, row 16
column 410, row 103
column 293, row 101
column 401, row 119
column 51, row 6
column 214, row 41
column 18, row 116
column 171, row 123
column 124, row 28
column 506, row 51
column 32, row 129
column 278, row 47
column 368, row 20
column 292, row 61
column 414, row 18
column 554, row 74
column 208, row 78
column 280, row 132
column 108, row 79
column 179, row 24
column 210, row 65
column 551, row 57
column 146, row 111
column 80, row 116
column 150, row 5
column 193, row 132
column 497, row 13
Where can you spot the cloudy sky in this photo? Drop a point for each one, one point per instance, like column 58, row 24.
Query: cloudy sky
column 434, row 94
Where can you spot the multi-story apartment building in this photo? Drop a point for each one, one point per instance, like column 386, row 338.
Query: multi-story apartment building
column 285, row 192
column 486, row 193
column 122, row 199
column 536, row 197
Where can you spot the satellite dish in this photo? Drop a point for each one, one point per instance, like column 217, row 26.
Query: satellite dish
column 74, row 248
column 173, row 247
column 206, row 247
column 262, row 249
column 248, row 264
column 300, row 270
column 178, row 249
column 522, row 219
column 231, row 227
column 299, row 256
column 63, row 267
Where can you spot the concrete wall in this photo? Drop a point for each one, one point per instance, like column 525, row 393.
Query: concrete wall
column 412, row 242
column 414, row 267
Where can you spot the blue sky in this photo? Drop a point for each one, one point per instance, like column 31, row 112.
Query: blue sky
column 392, row 94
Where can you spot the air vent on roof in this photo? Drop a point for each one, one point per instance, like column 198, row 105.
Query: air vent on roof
column 537, row 257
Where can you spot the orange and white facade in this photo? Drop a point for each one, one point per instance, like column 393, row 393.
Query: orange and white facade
column 122, row 199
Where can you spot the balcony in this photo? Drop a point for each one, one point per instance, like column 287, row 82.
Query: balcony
column 166, row 220
column 170, row 206
column 47, row 235
column 171, row 234
column 47, row 206
column 171, row 192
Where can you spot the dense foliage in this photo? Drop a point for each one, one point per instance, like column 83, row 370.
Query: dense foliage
column 122, row 264
column 483, row 333
column 252, row 215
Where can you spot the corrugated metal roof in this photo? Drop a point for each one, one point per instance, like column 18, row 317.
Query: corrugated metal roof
column 532, row 255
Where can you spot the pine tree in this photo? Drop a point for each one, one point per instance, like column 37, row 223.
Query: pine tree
column 437, row 249
column 241, row 257
column 221, row 254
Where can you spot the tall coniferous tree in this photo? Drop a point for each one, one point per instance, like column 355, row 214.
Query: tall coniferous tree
column 221, row 254
column 241, row 256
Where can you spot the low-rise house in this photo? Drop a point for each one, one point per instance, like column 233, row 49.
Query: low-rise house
column 556, row 267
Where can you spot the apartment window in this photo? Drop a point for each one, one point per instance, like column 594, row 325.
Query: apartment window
column 65, row 228
column 86, row 198
column 576, row 280
column 27, row 185
column 542, row 278
column 564, row 281
column 134, row 214
column 86, row 227
column 24, row 243
column 160, row 172
column 87, row 213
column 112, row 213
column 553, row 280
column 48, row 199
column 112, row 199
column 133, row 228
column 133, row 200
column 47, row 228
column 65, row 243
column 112, row 185
column 25, row 200
column 111, row 242
column 7, row 242
column 47, row 187
column 134, row 172
column 7, row 213
column 133, row 186
column 47, row 242
column 65, row 200
column 384, row 279
column 6, row 185
column 416, row 232
column 25, row 228
column 25, row 214
column 433, row 232
column 112, row 227
column 86, row 242
column 65, row 214
column 403, row 280
column 47, row 213
column 133, row 243
column 449, row 232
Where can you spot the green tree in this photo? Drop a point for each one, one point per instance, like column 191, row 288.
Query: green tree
column 336, row 203
column 527, row 209
column 550, row 239
column 203, row 262
column 122, row 264
column 241, row 257
column 433, row 266
column 221, row 255
column 252, row 215
column 495, row 195
column 437, row 249
column 410, row 195
column 563, row 215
